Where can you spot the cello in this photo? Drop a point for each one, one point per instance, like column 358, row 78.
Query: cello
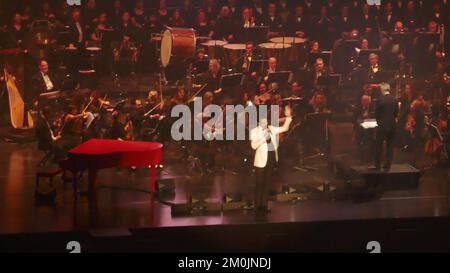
column 20, row 118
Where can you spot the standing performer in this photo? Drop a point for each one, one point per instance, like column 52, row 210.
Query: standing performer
column 264, row 140
column 386, row 114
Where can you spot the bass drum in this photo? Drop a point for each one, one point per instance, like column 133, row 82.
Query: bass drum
column 177, row 45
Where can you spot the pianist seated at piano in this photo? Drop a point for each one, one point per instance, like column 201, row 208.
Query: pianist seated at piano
column 43, row 81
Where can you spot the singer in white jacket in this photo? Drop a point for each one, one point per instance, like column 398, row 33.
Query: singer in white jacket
column 265, row 140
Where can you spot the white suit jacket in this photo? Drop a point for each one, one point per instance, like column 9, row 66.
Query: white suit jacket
column 259, row 143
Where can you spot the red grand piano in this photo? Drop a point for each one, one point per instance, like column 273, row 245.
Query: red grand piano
column 97, row 154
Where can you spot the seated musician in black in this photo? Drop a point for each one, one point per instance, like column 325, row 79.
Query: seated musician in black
column 318, row 103
column 372, row 72
column 16, row 31
column 179, row 97
column 117, row 128
column 318, row 71
column 201, row 61
column 46, row 138
column 272, row 68
column 212, row 78
column 43, row 81
column 72, row 130
column 298, row 24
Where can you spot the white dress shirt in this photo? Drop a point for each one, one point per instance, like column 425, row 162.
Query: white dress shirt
column 48, row 83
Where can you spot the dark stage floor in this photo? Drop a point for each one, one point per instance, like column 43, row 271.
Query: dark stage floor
column 124, row 203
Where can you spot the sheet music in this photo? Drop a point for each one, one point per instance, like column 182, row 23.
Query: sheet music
column 369, row 124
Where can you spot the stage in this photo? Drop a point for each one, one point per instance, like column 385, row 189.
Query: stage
column 127, row 217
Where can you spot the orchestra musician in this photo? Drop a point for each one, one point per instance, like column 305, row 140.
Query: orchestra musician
column 298, row 24
column 212, row 77
column 272, row 68
column 273, row 20
column 46, row 138
column 318, row 103
column 264, row 140
column 16, row 31
column 72, row 127
column 318, row 71
column 43, row 81
column 373, row 69
column 77, row 33
column 179, row 97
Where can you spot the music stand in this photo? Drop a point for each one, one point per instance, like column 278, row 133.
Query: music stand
column 329, row 80
column 230, row 81
column 279, row 77
column 316, row 124
column 257, row 65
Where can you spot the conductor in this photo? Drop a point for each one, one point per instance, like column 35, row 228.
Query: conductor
column 386, row 113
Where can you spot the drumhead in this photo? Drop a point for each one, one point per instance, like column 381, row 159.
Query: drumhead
column 235, row 46
column 215, row 43
column 93, row 48
column 166, row 48
column 274, row 45
column 288, row 40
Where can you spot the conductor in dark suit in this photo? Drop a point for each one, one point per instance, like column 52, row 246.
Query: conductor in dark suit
column 386, row 113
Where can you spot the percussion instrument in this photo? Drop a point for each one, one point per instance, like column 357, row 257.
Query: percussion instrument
column 298, row 52
column 214, row 48
column 92, row 55
column 279, row 51
column 177, row 45
column 288, row 40
column 155, row 37
column 233, row 53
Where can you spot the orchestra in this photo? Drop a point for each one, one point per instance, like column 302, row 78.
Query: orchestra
column 236, row 38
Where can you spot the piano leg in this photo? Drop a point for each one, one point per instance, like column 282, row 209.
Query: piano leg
column 92, row 176
column 75, row 185
column 153, row 178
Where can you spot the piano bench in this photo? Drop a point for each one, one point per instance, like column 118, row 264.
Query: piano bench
column 49, row 173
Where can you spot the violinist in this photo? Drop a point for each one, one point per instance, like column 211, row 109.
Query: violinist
column 179, row 98
column 415, row 126
column 154, row 113
column 318, row 103
column 44, row 131
column 73, row 127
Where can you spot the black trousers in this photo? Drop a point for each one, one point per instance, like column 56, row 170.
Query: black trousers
column 263, row 178
column 382, row 135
